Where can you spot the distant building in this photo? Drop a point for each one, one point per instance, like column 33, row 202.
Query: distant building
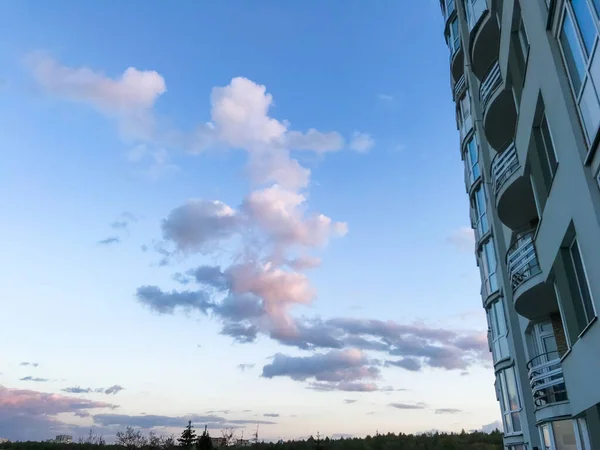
column 242, row 442
column 63, row 439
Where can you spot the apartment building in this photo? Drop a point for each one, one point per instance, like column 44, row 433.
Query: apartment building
column 523, row 77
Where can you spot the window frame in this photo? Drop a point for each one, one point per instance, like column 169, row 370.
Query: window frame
column 588, row 59
column 497, row 337
column 507, row 413
column 589, row 320
column 453, row 40
column 562, row 316
column 480, row 212
column 548, row 141
column 487, row 274
column 468, row 158
column 582, row 433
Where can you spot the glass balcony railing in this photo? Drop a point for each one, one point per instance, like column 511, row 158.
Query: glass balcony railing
column 546, row 379
column 504, row 165
column 491, row 81
column 521, row 260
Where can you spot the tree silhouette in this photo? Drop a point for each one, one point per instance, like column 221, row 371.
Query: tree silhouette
column 188, row 437
column 204, row 442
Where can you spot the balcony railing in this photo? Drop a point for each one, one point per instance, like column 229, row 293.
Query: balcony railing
column 546, row 379
column 504, row 165
column 521, row 260
column 491, row 81
column 460, row 86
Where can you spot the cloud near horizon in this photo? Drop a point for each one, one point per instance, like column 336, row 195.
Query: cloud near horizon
column 26, row 414
column 112, row 390
column 36, row 379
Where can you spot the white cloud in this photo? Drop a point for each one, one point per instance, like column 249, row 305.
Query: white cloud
column 277, row 167
column 280, row 214
column 497, row 425
column 315, row 141
column 463, row 239
column 129, row 97
column 361, row 142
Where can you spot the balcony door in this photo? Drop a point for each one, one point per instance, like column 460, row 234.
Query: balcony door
column 545, row 370
column 545, row 342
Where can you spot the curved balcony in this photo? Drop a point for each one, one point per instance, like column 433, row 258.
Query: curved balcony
column 512, row 189
column 532, row 296
column 484, row 38
column 499, row 111
column 546, row 380
column 457, row 63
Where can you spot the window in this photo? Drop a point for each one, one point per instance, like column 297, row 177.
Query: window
column 564, row 435
column 509, row 401
column 465, row 123
column 584, row 307
column 572, row 52
column 479, row 208
column 465, row 106
column 578, row 37
column 499, row 330
column 472, row 160
column 516, row 447
column 546, row 152
column 449, row 7
column 582, row 434
column 585, row 23
column 488, row 268
column 454, row 36
column 597, row 6
column 474, row 10
column 523, row 39
column 562, row 315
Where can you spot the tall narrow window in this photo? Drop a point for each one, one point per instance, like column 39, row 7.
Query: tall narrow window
column 509, row 401
column 499, row 331
column 582, row 434
column 454, row 36
column 479, row 207
column 584, row 307
column 546, row 151
column 449, row 7
column 572, row 52
column 585, row 22
column 489, row 263
column 597, row 6
column 578, row 37
column 473, row 160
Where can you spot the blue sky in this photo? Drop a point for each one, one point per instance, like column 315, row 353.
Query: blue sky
column 170, row 174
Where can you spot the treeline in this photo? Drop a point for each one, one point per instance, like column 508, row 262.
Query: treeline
column 390, row 441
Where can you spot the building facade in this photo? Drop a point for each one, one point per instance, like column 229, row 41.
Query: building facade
column 523, row 77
